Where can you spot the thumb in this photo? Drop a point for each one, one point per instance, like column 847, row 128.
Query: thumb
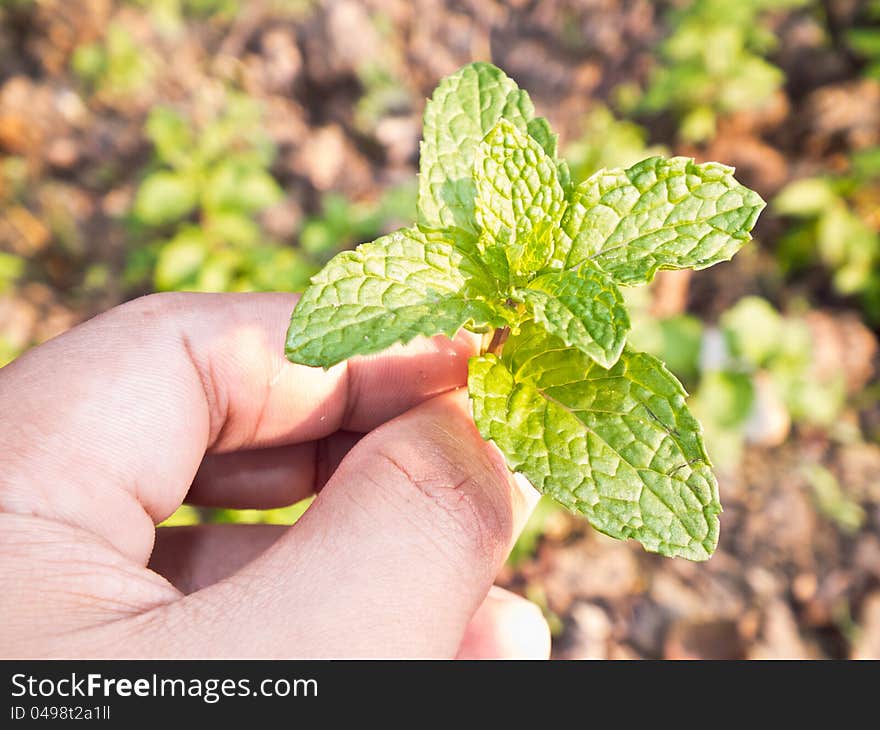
column 393, row 558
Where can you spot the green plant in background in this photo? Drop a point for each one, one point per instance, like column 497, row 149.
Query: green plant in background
column 210, row 8
column 169, row 17
column 833, row 501
column 762, row 361
column 343, row 223
column 8, row 351
column 11, row 268
column 383, row 94
column 713, row 63
column 279, row 516
column 384, row 88
column 837, row 224
column 506, row 245
column 535, row 528
column 754, row 360
column 201, row 200
column 188, row 515
column 116, row 65
column 16, row 5
column 677, row 339
column 607, row 142
column 864, row 39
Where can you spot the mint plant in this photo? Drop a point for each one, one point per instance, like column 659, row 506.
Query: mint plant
column 198, row 208
column 714, row 63
column 835, row 223
column 506, row 245
column 117, row 67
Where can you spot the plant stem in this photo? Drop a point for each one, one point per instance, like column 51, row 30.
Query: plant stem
column 496, row 344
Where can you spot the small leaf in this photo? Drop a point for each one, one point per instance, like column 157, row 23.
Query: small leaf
column 618, row 445
column 217, row 273
column 539, row 130
column 658, row 214
column 180, row 260
column 89, row 61
column 754, row 330
column 171, row 136
column 240, row 188
column 11, row 266
column 564, row 174
column 865, row 41
column 464, row 108
column 279, row 268
column 164, row 197
column 392, row 290
column 806, row 197
column 519, row 199
column 234, row 228
column 583, row 308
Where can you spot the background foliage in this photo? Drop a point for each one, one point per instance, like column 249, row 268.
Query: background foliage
column 223, row 145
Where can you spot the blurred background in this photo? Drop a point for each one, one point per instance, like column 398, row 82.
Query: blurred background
column 236, row 145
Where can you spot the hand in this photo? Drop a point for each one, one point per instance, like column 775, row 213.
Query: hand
column 108, row 428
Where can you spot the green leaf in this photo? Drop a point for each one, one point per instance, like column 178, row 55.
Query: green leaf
column 866, row 162
column 725, row 398
column 171, row 136
column 235, row 228
column 658, row 214
column 806, row 198
column 564, row 174
column 676, row 340
column 396, row 288
column 11, row 268
column 277, row 268
column 618, row 445
column 864, row 41
column 519, row 201
column 180, row 260
column 583, row 308
column 164, row 197
column 539, row 130
column 833, row 500
column 217, row 273
column 464, row 108
column 754, row 330
column 241, row 188
column 89, row 61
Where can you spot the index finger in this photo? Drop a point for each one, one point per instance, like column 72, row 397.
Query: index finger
column 105, row 426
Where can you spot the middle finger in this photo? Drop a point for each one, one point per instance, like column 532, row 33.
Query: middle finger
column 271, row 477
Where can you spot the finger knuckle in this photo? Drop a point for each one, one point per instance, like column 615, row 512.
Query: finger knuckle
column 457, row 505
column 151, row 305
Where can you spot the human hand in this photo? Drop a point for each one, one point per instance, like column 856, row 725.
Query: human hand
column 108, row 428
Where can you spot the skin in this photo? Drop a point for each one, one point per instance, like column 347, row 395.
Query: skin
column 108, row 428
